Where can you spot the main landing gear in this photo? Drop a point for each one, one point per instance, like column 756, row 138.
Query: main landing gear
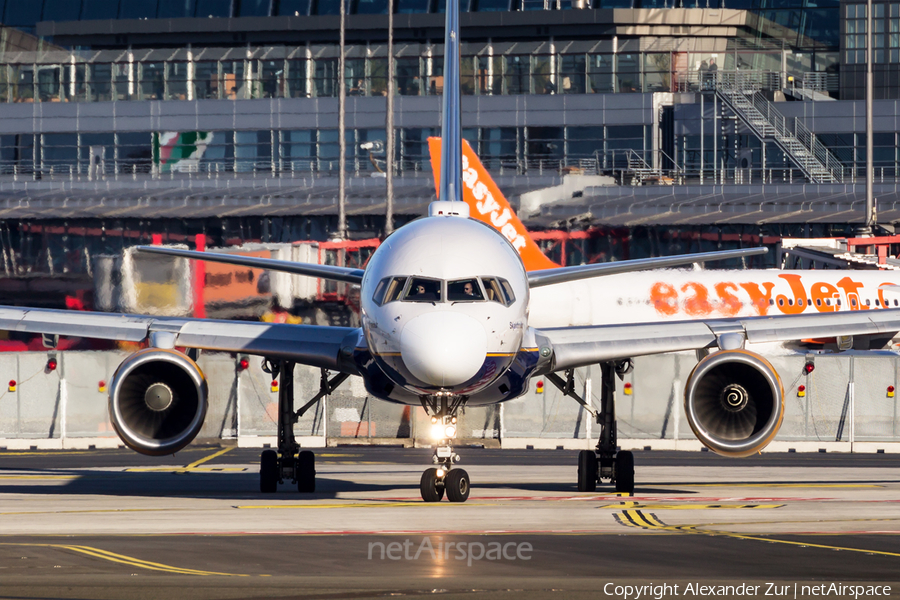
column 606, row 461
column 443, row 478
column 288, row 462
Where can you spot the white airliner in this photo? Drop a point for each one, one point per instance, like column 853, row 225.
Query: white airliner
column 447, row 322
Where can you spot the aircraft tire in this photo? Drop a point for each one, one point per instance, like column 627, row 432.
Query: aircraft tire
column 587, row 471
column 306, row 472
column 625, row 472
column 428, row 486
column 457, row 485
column 268, row 472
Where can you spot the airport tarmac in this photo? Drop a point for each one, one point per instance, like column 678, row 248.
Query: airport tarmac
column 115, row 524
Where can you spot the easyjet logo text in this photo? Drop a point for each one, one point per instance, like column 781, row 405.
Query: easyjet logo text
column 489, row 209
column 728, row 298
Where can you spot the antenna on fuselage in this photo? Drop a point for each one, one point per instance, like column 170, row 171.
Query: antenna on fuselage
column 450, row 201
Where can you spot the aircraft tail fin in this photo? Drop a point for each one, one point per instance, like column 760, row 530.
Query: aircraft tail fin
column 488, row 204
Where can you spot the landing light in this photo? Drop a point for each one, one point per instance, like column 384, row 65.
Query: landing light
column 440, row 473
column 450, row 431
column 437, row 431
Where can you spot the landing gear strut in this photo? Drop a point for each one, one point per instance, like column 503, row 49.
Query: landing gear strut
column 606, row 461
column 289, row 462
column 442, row 479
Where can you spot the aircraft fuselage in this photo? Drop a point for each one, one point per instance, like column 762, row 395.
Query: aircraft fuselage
column 444, row 307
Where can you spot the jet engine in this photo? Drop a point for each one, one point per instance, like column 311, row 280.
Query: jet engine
column 734, row 402
column 157, row 401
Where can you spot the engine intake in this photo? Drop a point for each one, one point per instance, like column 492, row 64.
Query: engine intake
column 734, row 402
column 157, row 401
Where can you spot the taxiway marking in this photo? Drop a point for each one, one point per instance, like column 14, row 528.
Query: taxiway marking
column 125, row 560
column 686, row 506
column 772, row 485
column 39, row 476
column 636, row 518
column 194, row 466
column 355, row 505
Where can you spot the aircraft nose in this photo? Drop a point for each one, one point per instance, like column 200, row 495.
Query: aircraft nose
column 443, row 348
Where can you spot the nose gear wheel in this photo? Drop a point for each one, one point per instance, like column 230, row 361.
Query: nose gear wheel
column 444, row 479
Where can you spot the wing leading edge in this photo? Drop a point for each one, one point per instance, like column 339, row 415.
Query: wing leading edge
column 345, row 274
column 317, row 346
column 566, row 274
column 580, row 346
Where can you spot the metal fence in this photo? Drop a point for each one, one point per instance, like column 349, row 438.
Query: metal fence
column 847, row 401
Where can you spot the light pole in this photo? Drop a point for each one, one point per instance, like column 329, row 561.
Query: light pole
column 342, row 142
column 389, row 126
column 870, row 166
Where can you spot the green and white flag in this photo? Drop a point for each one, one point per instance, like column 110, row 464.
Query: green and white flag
column 179, row 152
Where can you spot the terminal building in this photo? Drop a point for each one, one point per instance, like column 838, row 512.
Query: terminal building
column 655, row 125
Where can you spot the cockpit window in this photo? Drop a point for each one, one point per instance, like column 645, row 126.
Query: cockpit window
column 388, row 290
column 464, row 290
column 423, row 290
column 498, row 290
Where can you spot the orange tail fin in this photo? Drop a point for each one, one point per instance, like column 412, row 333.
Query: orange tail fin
column 487, row 203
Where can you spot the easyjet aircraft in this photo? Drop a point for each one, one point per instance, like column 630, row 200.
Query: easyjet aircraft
column 671, row 295
column 448, row 321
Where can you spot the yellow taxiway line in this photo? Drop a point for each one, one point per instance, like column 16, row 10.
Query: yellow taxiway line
column 631, row 517
column 125, row 560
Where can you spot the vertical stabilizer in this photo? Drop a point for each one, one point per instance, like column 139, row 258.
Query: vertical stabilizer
column 451, row 157
column 487, row 203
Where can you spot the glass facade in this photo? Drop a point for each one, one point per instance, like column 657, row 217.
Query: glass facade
column 307, row 72
column 307, row 151
column 800, row 23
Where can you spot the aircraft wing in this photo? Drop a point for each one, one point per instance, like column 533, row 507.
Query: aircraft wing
column 346, row 274
column 317, row 346
column 579, row 346
column 574, row 273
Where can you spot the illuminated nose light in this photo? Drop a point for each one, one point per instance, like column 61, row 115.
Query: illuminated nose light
column 437, row 431
column 450, row 431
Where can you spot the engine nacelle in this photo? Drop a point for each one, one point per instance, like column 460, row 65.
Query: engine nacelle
column 734, row 402
column 157, row 401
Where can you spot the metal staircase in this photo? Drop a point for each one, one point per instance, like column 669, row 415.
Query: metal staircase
column 739, row 91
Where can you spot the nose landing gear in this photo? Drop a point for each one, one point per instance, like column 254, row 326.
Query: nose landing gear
column 442, row 479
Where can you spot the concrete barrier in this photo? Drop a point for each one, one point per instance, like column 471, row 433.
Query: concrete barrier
column 846, row 406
